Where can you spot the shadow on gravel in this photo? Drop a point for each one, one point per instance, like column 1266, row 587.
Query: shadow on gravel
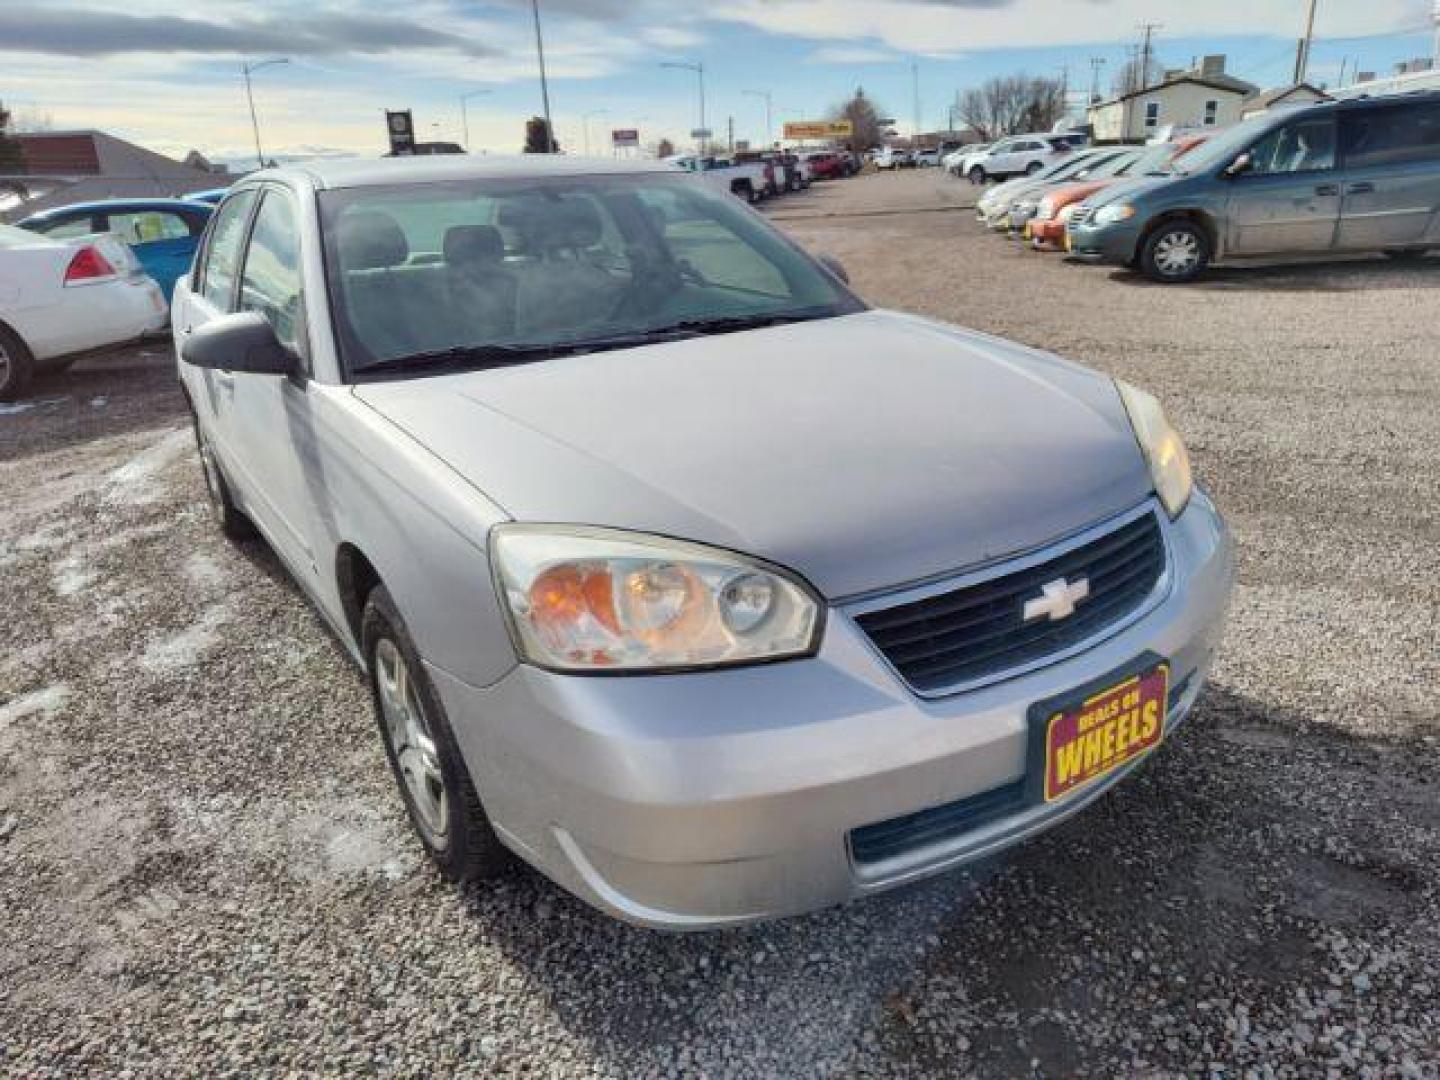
column 1219, row 869
column 1351, row 275
column 130, row 389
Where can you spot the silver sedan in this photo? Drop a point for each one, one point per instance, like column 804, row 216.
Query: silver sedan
column 675, row 569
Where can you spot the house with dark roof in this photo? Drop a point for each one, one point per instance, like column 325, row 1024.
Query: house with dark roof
column 1198, row 98
column 1281, row 97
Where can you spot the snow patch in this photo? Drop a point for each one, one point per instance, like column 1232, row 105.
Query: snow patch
column 184, row 649
column 136, row 482
column 71, row 576
column 203, row 571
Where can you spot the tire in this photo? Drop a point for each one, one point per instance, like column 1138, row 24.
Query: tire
column 1033, row 168
column 976, row 175
column 1176, row 251
column 429, row 770
column 17, row 365
column 1405, row 254
column 231, row 520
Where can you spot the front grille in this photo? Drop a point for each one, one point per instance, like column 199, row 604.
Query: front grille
column 979, row 630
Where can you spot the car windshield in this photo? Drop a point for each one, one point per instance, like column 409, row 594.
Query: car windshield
column 1224, row 147
column 524, row 268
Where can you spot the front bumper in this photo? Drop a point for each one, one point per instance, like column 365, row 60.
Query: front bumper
column 691, row 801
column 1114, row 243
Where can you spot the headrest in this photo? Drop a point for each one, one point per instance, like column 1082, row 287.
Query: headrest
column 371, row 240
column 467, row 245
column 571, row 223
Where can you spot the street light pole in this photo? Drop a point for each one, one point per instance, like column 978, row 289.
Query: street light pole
column 1302, row 54
column 544, row 85
column 769, row 127
column 585, row 123
column 465, row 116
column 699, row 70
column 249, row 69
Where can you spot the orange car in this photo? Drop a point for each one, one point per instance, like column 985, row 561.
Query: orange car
column 1046, row 231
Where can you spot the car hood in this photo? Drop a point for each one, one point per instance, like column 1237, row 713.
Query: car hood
column 864, row 452
column 1131, row 188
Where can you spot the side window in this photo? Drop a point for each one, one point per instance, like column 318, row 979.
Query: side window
column 143, row 226
column 222, row 252
column 1212, row 112
column 270, row 283
column 1304, row 146
column 1152, row 114
column 1392, row 136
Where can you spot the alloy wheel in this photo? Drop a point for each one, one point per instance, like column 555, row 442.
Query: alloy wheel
column 411, row 741
column 1177, row 253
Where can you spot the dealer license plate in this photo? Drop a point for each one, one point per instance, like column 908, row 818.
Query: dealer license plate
column 1105, row 732
column 1028, row 231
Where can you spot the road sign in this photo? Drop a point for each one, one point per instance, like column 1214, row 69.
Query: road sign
column 400, row 126
column 702, row 133
column 819, row 129
column 625, row 137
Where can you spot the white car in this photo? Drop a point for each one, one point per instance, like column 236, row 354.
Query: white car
column 955, row 160
column 60, row 298
column 1019, row 155
column 892, row 157
column 926, row 158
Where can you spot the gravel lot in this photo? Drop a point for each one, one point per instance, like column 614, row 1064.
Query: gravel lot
column 204, row 870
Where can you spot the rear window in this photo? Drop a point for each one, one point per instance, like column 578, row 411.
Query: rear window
column 11, row 237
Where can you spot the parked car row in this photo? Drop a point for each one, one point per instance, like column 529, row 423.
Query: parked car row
column 757, row 175
column 1347, row 177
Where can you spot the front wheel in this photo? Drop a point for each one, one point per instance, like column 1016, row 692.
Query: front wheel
column 423, row 754
column 977, row 175
column 233, row 523
column 17, row 364
column 1175, row 252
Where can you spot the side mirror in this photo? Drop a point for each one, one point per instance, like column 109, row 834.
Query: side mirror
column 243, row 342
column 1241, row 164
column 836, row 267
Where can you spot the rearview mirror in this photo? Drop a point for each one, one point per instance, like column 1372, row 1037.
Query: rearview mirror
column 243, row 342
column 836, row 267
column 1241, row 164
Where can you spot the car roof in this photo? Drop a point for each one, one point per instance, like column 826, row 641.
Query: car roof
column 370, row 172
column 121, row 205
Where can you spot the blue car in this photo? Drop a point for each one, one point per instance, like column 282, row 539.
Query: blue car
column 164, row 233
column 211, row 196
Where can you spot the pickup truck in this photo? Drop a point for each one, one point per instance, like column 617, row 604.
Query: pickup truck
column 747, row 180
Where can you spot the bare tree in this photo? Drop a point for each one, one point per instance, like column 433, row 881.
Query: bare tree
column 864, row 120
column 1135, row 75
column 1009, row 104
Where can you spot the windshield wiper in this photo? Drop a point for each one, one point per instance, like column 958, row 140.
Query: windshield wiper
column 727, row 324
column 461, row 358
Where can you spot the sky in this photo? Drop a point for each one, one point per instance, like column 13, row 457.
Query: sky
column 167, row 75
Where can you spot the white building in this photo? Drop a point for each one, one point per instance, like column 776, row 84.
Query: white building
column 1282, row 97
column 1201, row 98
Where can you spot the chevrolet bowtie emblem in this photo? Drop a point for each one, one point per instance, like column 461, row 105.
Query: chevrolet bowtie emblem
column 1057, row 599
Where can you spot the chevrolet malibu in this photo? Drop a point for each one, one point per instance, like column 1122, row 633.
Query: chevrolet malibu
column 674, row 568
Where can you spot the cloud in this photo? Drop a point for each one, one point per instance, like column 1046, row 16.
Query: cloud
column 852, row 54
column 671, row 37
column 81, row 32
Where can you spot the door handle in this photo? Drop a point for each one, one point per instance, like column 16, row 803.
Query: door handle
column 1327, row 189
column 1364, row 187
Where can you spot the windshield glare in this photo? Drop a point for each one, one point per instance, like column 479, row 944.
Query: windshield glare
column 423, row 268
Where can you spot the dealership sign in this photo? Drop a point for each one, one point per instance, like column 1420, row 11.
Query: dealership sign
column 819, row 129
column 625, row 137
column 401, row 127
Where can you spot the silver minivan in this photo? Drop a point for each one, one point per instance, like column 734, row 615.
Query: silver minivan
column 675, row 568
column 1350, row 176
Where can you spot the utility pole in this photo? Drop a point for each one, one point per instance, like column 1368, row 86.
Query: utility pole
column 769, row 130
column 915, row 75
column 1064, row 91
column 1302, row 53
column 249, row 69
column 544, row 84
column 1146, row 54
column 1096, row 63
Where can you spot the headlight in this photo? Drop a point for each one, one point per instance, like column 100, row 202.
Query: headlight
column 1108, row 215
column 1164, row 451
column 1047, row 209
column 595, row 600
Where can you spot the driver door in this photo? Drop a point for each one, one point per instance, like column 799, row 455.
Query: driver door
column 1288, row 200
